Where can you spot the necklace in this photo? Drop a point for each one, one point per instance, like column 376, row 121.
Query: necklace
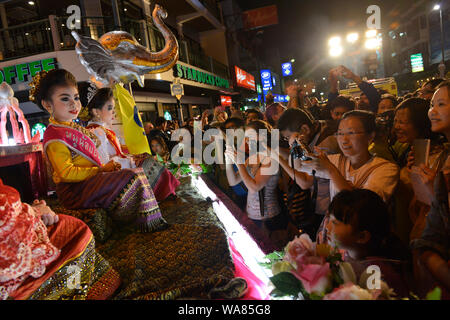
column 81, row 129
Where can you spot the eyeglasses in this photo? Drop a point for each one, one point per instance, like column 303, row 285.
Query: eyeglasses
column 350, row 134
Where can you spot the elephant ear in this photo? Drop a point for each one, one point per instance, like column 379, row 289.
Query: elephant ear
column 97, row 60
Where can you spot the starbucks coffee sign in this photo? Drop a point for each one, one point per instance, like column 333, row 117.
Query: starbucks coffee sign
column 187, row 73
column 23, row 72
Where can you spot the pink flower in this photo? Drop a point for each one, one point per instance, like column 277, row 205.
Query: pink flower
column 316, row 278
column 350, row 291
column 299, row 249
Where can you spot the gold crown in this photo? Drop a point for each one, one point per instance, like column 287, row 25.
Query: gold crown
column 35, row 84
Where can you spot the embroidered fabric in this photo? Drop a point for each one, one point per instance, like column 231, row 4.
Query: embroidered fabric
column 25, row 249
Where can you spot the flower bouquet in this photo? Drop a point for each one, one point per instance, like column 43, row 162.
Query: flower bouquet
column 306, row 270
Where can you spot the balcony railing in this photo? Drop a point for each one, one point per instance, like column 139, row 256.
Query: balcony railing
column 26, row 39
column 52, row 34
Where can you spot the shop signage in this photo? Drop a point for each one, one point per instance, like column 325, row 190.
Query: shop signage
column 177, row 89
column 38, row 127
column 286, row 69
column 266, row 80
column 23, row 72
column 244, row 79
column 225, row 101
column 417, row 62
column 260, row 17
column 188, row 73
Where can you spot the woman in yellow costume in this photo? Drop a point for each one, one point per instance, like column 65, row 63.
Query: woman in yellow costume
column 82, row 181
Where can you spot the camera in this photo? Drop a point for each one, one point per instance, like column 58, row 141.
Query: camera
column 300, row 151
column 385, row 123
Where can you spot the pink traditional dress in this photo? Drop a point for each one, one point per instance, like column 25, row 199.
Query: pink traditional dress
column 160, row 179
column 36, row 260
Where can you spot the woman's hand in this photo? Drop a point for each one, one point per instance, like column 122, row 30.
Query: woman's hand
column 321, row 161
column 111, row 166
column 45, row 212
column 426, row 178
column 140, row 158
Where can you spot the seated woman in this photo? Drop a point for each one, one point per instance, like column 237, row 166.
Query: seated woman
column 433, row 247
column 359, row 224
column 260, row 178
column 43, row 255
column 82, row 181
column 101, row 116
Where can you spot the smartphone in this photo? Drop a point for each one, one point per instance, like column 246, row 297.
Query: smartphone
column 421, row 151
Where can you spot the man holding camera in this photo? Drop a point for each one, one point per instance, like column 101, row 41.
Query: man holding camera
column 307, row 196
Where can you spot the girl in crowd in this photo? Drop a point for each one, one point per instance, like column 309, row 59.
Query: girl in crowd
column 40, row 251
column 101, row 115
column 262, row 198
column 433, row 247
column 359, row 224
column 159, row 148
column 82, row 181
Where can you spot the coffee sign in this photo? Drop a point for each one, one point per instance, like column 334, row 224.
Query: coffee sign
column 23, row 72
column 188, row 73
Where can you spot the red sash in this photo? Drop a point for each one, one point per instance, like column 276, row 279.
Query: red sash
column 111, row 135
column 74, row 140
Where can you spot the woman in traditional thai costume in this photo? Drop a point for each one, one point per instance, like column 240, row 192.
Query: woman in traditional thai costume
column 101, row 114
column 48, row 256
column 82, row 181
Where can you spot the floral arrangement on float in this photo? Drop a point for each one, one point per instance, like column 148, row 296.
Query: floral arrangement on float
column 308, row 271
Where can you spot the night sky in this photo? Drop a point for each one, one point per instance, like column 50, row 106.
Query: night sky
column 306, row 25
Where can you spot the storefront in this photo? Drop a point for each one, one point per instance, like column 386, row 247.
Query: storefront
column 202, row 90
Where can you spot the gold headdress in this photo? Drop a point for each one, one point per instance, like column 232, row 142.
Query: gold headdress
column 35, row 85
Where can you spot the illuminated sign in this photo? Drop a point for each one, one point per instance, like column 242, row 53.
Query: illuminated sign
column 244, row 79
column 38, row 127
column 225, row 101
column 266, row 80
column 286, row 69
column 280, row 98
column 417, row 62
column 167, row 116
column 183, row 72
column 258, row 88
column 23, row 72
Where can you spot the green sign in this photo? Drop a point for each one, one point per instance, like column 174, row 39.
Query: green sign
column 187, row 73
column 417, row 62
column 167, row 116
column 258, row 88
column 38, row 127
column 25, row 71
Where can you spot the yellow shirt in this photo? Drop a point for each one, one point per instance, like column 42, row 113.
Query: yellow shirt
column 65, row 167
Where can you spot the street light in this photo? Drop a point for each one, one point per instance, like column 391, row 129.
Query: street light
column 371, row 33
column 352, row 37
column 336, row 51
column 373, row 44
column 292, row 60
column 334, row 42
column 442, row 64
